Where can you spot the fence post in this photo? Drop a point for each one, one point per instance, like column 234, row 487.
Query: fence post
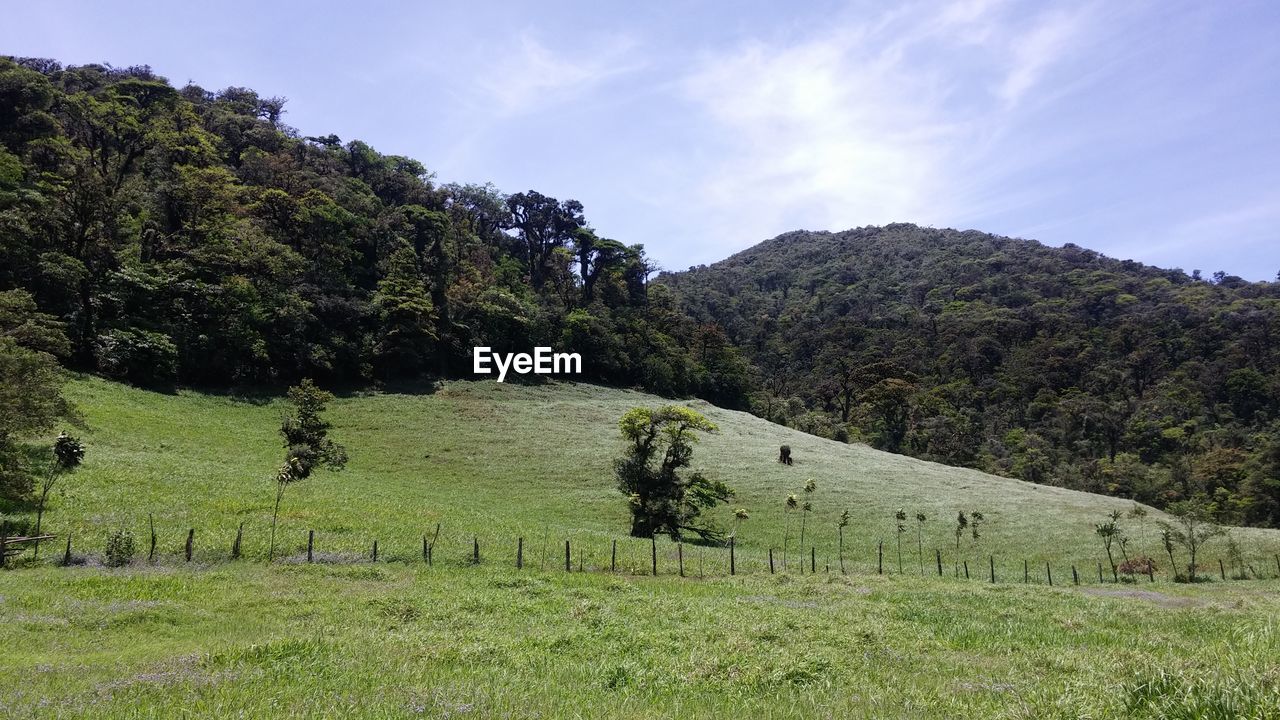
column 66, row 557
column 1075, row 576
column 191, row 541
column 1026, row 573
column 770, row 561
column 992, row 559
column 1151, row 570
column 151, row 554
column 938, row 553
column 1222, row 569
column 1100, row 580
column 375, row 550
column 4, row 544
column 424, row 550
column 311, row 545
column 1048, row 571
column 568, row 563
column 475, row 550
column 733, row 567
column 880, row 558
column 813, row 560
column 235, row 546
column 966, row 569
column 613, row 558
column 680, row 556
column 520, row 554
column 653, row 546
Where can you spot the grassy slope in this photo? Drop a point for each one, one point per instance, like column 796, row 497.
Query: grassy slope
column 403, row 640
column 500, row 461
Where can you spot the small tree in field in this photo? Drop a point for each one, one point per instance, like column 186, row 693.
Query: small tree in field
column 1193, row 528
column 791, row 504
column 840, row 526
column 962, row 523
column 68, row 452
column 805, row 509
column 920, row 521
column 662, row 498
column 1108, row 531
column 307, row 444
column 901, row 518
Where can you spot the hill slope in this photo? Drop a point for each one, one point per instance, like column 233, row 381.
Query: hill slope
column 499, row 461
column 1056, row 365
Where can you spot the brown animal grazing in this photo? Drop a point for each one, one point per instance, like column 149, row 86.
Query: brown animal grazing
column 784, row 454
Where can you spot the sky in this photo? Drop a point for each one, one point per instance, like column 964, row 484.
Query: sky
column 1142, row 129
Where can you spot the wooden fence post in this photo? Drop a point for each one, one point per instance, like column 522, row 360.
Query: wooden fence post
column 680, row 556
column 733, row 566
column 613, row 558
column 568, row 562
column 1222, row 569
column 653, row 546
column 475, row 550
column 375, row 550
column 1075, row 576
column 424, row 550
column 235, row 546
column 311, row 546
column 1026, row 572
column 191, row 541
column 880, row 558
column 813, row 560
column 938, row 553
column 966, row 569
column 770, row 561
column 520, row 554
column 151, row 554
column 66, row 557
column 992, row 559
column 1048, row 571
column 1100, row 580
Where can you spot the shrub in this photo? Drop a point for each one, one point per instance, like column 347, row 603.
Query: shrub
column 119, row 548
column 137, row 356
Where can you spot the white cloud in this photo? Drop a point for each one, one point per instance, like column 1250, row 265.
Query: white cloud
column 531, row 76
column 892, row 118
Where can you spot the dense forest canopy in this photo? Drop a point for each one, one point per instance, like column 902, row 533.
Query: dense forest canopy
column 161, row 235
column 1054, row 365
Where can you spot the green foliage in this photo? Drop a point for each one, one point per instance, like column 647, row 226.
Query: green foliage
column 661, row 498
column 1054, row 365
column 120, row 549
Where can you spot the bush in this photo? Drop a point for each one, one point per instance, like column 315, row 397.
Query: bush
column 137, row 356
column 119, row 548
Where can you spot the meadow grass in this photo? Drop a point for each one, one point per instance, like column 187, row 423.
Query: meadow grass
column 501, row 461
column 345, row 637
column 403, row 640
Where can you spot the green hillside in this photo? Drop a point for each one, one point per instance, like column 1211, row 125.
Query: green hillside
column 402, row 639
column 500, row 461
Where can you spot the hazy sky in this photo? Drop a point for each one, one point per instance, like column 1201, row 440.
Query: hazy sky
column 1146, row 130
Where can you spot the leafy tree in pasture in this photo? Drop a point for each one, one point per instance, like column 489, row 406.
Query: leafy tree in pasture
column 901, row 527
column 307, row 444
column 840, row 526
column 67, row 453
column 1192, row 528
column 921, row 518
column 662, row 497
column 807, row 507
column 1108, row 531
column 788, row 507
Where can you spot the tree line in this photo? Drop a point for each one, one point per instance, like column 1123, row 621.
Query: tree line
column 1054, row 365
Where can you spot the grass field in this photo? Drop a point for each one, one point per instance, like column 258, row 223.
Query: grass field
column 498, row 462
column 491, row 463
column 400, row 640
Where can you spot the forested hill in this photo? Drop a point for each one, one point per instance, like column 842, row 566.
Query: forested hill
column 187, row 236
column 1055, row 365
